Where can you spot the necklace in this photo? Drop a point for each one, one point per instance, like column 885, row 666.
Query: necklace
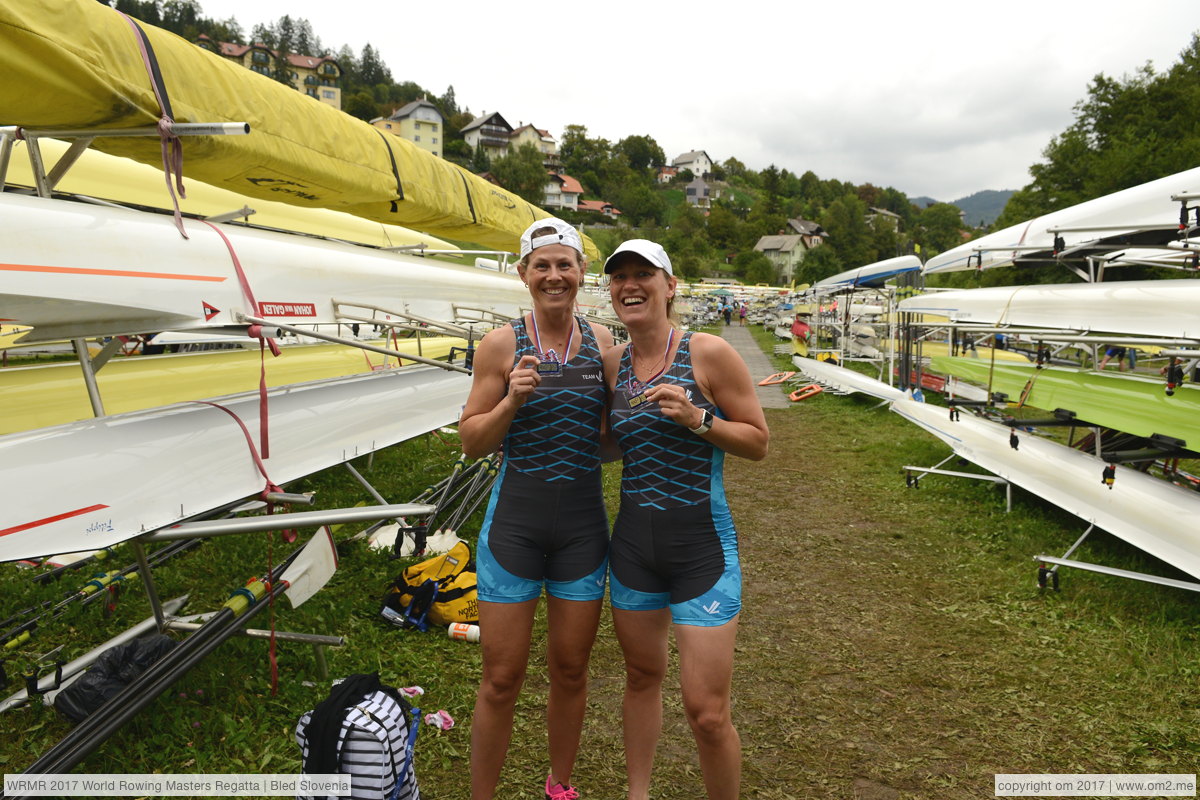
column 634, row 384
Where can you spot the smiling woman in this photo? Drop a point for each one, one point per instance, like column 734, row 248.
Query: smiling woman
column 679, row 403
column 538, row 395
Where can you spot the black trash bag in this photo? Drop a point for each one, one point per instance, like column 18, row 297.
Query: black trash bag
column 112, row 671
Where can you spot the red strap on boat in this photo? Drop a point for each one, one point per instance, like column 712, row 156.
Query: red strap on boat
column 255, row 332
column 172, row 148
column 250, row 443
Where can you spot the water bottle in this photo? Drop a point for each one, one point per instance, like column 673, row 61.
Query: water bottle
column 463, row 632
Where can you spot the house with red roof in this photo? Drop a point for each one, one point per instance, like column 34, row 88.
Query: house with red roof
column 600, row 207
column 562, row 191
column 319, row 77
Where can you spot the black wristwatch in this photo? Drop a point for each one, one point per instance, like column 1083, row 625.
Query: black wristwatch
column 706, row 423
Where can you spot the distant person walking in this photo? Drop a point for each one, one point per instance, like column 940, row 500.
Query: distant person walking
column 743, row 311
column 1111, row 353
column 727, row 311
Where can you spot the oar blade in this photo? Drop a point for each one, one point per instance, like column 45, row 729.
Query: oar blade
column 313, row 568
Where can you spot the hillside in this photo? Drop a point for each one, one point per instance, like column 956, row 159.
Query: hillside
column 981, row 208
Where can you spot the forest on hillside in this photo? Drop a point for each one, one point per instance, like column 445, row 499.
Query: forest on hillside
column 1125, row 132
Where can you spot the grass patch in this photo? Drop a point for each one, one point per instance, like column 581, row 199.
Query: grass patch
column 893, row 642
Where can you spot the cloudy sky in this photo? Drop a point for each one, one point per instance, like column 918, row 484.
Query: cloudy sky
column 934, row 98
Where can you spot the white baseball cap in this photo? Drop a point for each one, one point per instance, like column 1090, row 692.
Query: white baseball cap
column 563, row 234
column 648, row 250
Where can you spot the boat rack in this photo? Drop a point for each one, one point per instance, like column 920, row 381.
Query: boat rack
column 1048, row 576
column 913, row 481
column 353, row 342
column 82, row 139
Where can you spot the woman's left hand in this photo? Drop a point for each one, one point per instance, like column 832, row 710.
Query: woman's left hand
column 675, row 404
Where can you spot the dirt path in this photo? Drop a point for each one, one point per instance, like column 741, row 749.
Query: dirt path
column 837, row 695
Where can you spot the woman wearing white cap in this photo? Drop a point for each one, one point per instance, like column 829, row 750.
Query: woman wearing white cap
column 679, row 403
column 538, row 395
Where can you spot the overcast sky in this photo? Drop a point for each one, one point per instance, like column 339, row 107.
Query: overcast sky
column 934, row 98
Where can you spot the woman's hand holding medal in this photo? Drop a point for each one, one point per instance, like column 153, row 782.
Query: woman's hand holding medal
column 524, row 379
column 674, row 403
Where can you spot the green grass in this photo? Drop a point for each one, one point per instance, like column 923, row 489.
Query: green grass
column 893, row 640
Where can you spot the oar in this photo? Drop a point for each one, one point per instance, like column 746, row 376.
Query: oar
column 85, row 660
column 312, row 569
column 159, row 676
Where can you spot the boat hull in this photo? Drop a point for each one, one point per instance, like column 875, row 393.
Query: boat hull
column 1134, row 308
column 91, row 484
column 1151, row 514
column 76, row 270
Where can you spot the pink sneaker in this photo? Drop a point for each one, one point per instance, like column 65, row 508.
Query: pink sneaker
column 559, row 792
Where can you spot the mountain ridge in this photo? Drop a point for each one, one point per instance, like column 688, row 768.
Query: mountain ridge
column 981, row 208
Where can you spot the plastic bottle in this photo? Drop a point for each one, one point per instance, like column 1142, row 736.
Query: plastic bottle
column 463, row 632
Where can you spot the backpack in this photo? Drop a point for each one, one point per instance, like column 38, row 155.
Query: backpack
column 366, row 730
column 438, row 591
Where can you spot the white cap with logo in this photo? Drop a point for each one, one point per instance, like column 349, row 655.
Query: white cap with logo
column 563, row 233
column 648, row 250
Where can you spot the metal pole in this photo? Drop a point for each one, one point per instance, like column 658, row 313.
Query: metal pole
column 89, row 376
column 370, row 489
column 177, row 129
column 139, row 553
column 361, row 345
column 258, row 633
column 274, row 522
column 1078, row 542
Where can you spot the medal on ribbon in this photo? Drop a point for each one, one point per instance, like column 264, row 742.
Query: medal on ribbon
column 635, row 390
column 549, row 364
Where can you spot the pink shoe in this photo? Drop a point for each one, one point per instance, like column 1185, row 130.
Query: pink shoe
column 559, row 792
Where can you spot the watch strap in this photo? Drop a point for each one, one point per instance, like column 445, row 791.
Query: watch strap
column 706, row 423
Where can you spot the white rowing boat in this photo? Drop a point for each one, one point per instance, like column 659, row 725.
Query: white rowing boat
column 843, row 380
column 1151, row 514
column 871, row 275
column 1141, row 215
column 91, row 484
column 76, row 270
column 1166, row 308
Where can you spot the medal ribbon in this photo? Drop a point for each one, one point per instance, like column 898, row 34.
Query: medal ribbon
column 633, row 381
column 550, row 354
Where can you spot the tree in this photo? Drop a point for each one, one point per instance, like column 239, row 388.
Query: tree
column 744, row 260
column 819, row 262
column 371, row 69
column 458, row 151
column 179, row 15
column 849, row 236
column 939, row 228
column 724, row 228
column 361, row 104
column 640, row 205
column 447, row 103
column 284, row 45
column 885, row 239
column 585, row 158
column 641, row 152
column 734, row 168
column 772, row 186
column 480, row 160
column 761, row 270
column 522, row 173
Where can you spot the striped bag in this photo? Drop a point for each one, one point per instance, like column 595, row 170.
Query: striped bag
column 366, row 730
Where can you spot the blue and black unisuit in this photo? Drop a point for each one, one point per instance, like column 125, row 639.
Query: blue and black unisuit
column 674, row 544
column 545, row 521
